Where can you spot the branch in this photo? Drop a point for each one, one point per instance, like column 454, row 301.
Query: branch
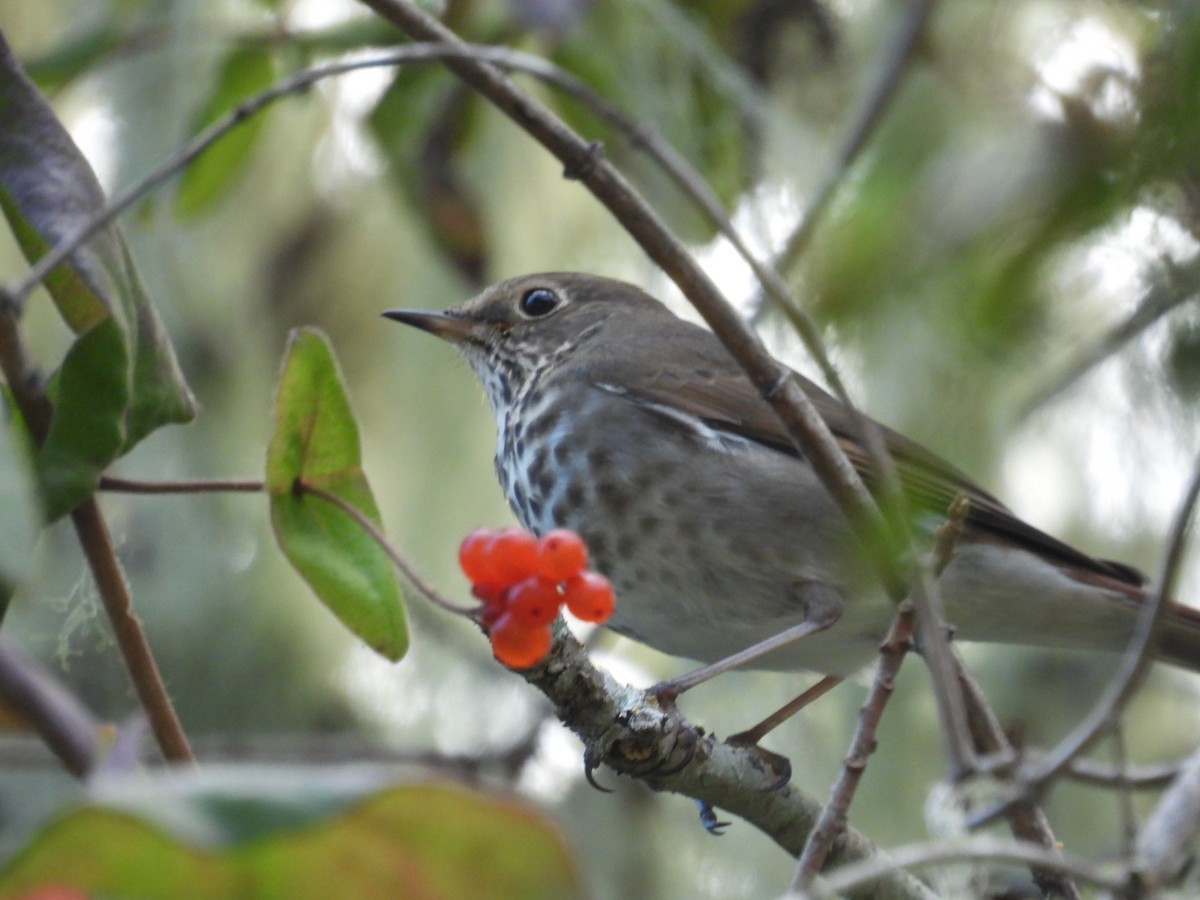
column 188, row 486
column 1167, row 842
column 849, row 879
column 1171, row 290
column 624, row 728
column 65, row 725
column 862, row 124
column 135, row 649
column 833, row 818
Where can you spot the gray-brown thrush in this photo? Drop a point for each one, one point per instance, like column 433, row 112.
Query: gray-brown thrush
column 639, row 431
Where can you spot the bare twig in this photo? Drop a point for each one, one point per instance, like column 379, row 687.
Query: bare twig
column 183, row 486
column 1175, row 286
column 892, row 652
column 1129, row 824
column 934, row 638
column 833, row 817
column 114, row 592
column 1026, row 820
column 434, row 595
column 863, row 123
column 1034, row 777
column 1168, row 836
column 64, row 724
column 980, row 849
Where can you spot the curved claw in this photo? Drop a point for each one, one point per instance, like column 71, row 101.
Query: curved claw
column 689, row 753
column 589, row 766
column 708, row 818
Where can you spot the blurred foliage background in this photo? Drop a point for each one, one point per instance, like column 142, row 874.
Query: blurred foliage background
column 1009, row 275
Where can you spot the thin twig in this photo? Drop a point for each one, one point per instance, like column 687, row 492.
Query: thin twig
column 1166, row 844
column 183, row 486
column 1138, row 778
column 863, row 123
column 833, row 817
column 892, row 652
column 933, row 635
column 114, row 592
column 1129, row 823
column 64, row 724
column 435, row 596
column 1175, row 286
column 1026, row 820
column 980, row 849
column 1034, row 777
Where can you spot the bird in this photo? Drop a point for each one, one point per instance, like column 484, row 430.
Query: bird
column 638, row 430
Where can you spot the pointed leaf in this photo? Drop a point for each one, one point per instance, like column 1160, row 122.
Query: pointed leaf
column 47, row 190
column 316, row 442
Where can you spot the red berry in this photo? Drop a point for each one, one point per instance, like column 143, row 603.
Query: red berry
column 589, row 597
column 474, row 556
column 512, row 555
column 562, row 554
column 495, row 602
column 517, row 645
column 534, row 601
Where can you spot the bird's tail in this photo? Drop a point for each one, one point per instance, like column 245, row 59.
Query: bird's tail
column 1179, row 641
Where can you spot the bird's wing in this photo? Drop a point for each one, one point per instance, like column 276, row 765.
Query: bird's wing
column 712, row 388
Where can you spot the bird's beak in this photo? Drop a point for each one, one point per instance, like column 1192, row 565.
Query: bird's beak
column 448, row 328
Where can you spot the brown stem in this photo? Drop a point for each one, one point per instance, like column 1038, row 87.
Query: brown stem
column 832, row 821
column 1026, row 820
column 131, row 639
column 435, row 596
column 190, row 486
column 63, row 723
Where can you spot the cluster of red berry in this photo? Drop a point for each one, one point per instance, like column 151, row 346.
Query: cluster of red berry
column 524, row 581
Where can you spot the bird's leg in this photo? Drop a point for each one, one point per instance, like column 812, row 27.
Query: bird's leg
column 751, row 736
column 774, row 720
column 822, row 615
column 667, row 692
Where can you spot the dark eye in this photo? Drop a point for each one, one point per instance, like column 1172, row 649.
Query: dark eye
column 538, row 302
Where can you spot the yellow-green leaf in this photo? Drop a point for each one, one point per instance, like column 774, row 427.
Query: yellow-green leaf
column 316, row 443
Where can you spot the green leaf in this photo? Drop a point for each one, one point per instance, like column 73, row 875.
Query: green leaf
column 245, row 71
column 316, row 443
column 47, row 190
column 299, row 834
column 19, row 514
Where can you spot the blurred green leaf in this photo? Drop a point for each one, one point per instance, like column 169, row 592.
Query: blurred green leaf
column 47, row 190
column 259, row 834
column 75, row 57
column 19, row 514
column 316, row 442
column 245, row 71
